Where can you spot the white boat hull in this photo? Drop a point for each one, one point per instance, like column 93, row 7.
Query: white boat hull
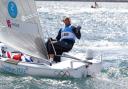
column 63, row 69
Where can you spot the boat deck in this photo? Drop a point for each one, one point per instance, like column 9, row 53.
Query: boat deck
column 67, row 64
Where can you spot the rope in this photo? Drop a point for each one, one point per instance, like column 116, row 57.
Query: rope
column 51, row 43
column 69, row 56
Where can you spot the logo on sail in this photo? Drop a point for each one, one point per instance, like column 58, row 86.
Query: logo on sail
column 12, row 9
column 9, row 23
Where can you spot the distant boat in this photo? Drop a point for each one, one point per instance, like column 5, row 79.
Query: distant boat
column 95, row 5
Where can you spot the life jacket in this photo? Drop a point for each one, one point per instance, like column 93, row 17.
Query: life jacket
column 67, row 33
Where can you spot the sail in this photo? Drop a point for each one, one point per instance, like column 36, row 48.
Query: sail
column 20, row 28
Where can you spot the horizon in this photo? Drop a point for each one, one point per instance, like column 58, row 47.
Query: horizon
column 89, row 0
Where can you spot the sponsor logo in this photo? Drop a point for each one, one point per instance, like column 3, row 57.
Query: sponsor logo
column 10, row 24
column 16, row 70
column 12, row 9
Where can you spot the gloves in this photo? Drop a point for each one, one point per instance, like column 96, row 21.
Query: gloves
column 78, row 27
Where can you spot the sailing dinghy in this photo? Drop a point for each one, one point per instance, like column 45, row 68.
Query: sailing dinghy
column 22, row 31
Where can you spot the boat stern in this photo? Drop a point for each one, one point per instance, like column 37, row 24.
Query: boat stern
column 94, row 68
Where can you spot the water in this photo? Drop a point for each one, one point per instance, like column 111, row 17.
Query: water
column 104, row 30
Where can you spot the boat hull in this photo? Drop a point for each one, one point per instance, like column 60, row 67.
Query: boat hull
column 55, row 71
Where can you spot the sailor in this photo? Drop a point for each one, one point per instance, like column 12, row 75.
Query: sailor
column 64, row 40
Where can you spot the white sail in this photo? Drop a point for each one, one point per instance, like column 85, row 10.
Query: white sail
column 17, row 31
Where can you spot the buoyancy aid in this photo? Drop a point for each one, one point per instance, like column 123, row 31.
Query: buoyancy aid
column 67, row 33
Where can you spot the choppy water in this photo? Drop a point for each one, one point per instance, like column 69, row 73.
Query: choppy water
column 103, row 29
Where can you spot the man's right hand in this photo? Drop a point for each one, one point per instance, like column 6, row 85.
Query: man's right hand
column 78, row 27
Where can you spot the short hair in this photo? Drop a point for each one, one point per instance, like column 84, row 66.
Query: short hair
column 66, row 18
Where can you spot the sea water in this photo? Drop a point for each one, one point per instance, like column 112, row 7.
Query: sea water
column 104, row 29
